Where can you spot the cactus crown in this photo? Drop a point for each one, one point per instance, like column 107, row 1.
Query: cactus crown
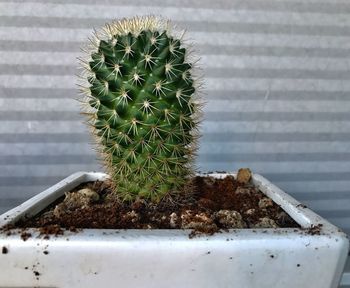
column 140, row 101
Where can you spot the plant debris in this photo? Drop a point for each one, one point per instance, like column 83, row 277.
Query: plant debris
column 314, row 229
column 5, row 250
column 25, row 235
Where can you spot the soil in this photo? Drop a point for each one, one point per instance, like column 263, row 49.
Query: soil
column 209, row 205
column 4, row 250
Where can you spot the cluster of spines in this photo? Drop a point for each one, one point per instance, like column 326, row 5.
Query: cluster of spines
column 141, row 106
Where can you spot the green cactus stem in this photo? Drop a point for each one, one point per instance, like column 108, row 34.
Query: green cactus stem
column 141, row 102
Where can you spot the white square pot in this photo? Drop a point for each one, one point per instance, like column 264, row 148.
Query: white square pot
column 242, row 258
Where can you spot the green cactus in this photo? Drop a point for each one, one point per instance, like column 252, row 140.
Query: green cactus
column 141, row 103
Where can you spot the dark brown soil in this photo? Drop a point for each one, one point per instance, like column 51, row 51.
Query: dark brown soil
column 4, row 250
column 25, row 235
column 211, row 205
column 315, row 230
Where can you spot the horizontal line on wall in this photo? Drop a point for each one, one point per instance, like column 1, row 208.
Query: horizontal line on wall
column 15, row 127
column 330, row 207
column 266, row 167
column 268, row 147
column 38, row 93
column 15, row 181
column 228, row 84
column 343, row 223
column 262, row 157
column 239, row 109
column 274, row 63
column 262, row 50
column 251, row 116
column 49, row 149
column 56, row 46
column 207, row 158
column 18, row 69
column 289, row 6
column 302, row 186
column 276, row 137
column 41, row 116
column 42, row 138
column 202, row 26
column 276, row 116
column 4, row 208
column 200, row 38
column 87, row 159
column 47, row 170
column 327, row 176
column 12, row 202
column 277, row 95
column 19, row 193
column 328, row 6
column 36, row 181
column 275, row 73
column 321, row 13
column 278, row 73
column 44, row 46
column 334, row 213
column 276, row 84
column 205, row 148
column 225, row 127
column 66, row 63
column 325, row 195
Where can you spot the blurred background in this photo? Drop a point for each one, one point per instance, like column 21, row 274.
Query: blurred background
column 276, row 82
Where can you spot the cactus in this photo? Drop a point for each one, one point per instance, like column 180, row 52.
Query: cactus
column 142, row 106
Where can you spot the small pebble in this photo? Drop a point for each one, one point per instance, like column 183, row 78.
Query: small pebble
column 91, row 194
column 265, row 203
column 250, row 211
column 244, row 175
column 242, row 190
column 173, row 220
column 265, row 223
column 229, row 219
column 197, row 221
column 283, row 218
column 132, row 215
column 75, row 200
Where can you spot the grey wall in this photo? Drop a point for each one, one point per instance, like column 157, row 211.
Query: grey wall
column 277, row 91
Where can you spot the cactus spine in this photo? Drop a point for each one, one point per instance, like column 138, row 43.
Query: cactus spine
column 140, row 100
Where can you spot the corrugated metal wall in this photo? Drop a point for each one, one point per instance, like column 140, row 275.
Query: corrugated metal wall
column 277, row 90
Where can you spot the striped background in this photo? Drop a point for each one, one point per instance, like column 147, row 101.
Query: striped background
column 276, row 79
